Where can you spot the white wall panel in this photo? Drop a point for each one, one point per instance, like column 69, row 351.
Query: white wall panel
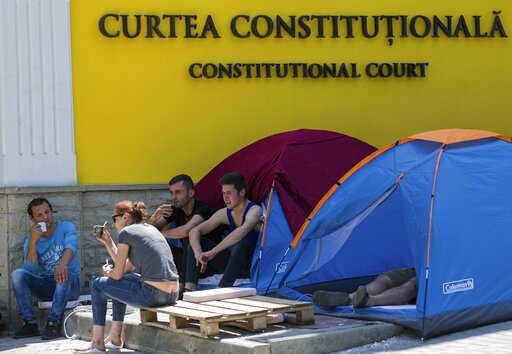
column 36, row 113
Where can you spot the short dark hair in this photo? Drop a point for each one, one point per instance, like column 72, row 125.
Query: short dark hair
column 187, row 181
column 235, row 179
column 36, row 202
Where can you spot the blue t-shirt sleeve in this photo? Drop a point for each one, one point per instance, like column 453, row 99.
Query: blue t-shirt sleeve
column 27, row 265
column 70, row 238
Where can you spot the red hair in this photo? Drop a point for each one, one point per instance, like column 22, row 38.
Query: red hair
column 137, row 210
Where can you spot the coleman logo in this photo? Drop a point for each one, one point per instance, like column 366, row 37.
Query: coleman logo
column 281, row 268
column 458, row 285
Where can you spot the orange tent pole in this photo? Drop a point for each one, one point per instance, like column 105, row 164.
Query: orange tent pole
column 432, row 203
column 430, row 232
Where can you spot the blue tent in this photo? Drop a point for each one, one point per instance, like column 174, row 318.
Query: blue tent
column 272, row 255
column 438, row 201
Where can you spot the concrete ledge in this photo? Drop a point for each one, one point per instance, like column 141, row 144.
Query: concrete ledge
column 329, row 334
column 82, row 188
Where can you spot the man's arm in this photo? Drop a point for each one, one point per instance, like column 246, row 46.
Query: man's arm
column 252, row 219
column 60, row 273
column 183, row 231
column 194, row 235
column 31, row 261
column 158, row 217
column 35, row 236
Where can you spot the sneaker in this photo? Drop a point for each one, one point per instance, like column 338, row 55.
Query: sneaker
column 27, row 330
column 51, row 331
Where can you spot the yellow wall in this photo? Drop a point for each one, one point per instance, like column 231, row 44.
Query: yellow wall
column 141, row 118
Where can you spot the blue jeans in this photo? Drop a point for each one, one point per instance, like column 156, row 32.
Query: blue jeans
column 127, row 291
column 27, row 285
column 232, row 261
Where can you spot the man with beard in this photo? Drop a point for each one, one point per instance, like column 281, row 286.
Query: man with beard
column 185, row 212
column 50, row 270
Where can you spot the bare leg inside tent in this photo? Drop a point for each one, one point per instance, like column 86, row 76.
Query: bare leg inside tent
column 380, row 292
column 395, row 296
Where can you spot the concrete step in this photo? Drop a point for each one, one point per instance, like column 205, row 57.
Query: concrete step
column 327, row 334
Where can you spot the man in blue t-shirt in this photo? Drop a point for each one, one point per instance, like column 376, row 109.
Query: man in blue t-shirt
column 50, row 270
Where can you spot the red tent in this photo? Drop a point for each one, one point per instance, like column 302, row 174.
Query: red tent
column 303, row 164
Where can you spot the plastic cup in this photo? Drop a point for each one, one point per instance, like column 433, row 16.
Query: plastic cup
column 99, row 230
column 43, row 226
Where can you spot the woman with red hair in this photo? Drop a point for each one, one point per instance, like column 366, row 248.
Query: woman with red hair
column 143, row 274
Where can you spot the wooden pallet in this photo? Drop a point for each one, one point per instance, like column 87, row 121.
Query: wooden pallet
column 248, row 313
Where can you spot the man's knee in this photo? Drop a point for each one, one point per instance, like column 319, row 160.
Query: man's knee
column 243, row 247
column 69, row 288
column 62, row 285
column 412, row 286
column 409, row 289
column 385, row 280
column 18, row 276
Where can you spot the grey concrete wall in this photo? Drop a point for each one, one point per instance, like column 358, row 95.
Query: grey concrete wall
column 84, row 206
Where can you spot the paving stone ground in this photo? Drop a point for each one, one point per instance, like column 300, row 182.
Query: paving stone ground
column 495, row 338
column 35, row 345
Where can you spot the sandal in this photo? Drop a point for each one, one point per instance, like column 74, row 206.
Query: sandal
column 113, row 347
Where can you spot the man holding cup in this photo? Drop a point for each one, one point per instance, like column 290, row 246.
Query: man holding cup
column 50, row 270
column 185, row 213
